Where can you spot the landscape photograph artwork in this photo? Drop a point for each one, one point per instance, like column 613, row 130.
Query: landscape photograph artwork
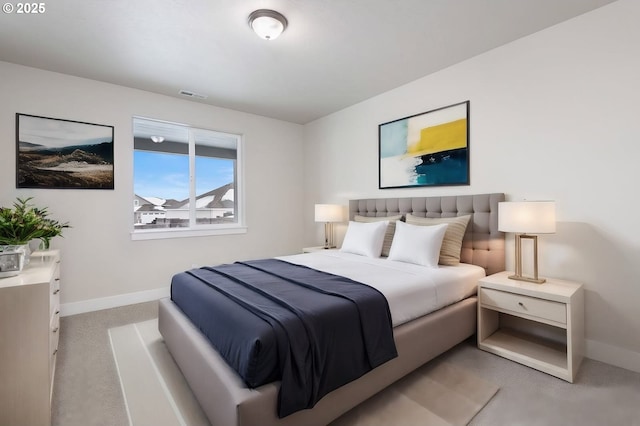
column 427, row 149
column 56, row 153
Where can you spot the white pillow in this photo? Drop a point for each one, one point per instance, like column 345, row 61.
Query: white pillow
column 417, row 244
column 364, row 238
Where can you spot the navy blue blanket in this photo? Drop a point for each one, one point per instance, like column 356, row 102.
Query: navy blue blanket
column 272, row 320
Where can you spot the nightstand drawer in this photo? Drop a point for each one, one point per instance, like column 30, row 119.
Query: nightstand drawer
column 524, row 305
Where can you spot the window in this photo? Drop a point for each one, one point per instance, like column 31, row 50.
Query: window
column 185, row 180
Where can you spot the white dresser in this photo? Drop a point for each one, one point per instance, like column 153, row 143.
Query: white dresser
column 29, row 330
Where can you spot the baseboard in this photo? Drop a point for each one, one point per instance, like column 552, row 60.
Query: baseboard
column 91, row 305
column 614, row 355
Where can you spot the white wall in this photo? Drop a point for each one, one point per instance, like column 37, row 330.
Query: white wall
column 553, row 116
column 99, row 258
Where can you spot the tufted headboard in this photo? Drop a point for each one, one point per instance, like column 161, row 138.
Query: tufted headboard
column 483, row 244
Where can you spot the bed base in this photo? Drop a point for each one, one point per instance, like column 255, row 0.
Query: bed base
column 228, row 402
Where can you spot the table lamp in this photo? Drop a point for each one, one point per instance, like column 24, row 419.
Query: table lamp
column 328, row 213
column 525, row 218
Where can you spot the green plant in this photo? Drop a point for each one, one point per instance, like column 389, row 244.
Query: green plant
column 25, row 222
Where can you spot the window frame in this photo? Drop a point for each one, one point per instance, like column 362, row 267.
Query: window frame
column 195, row 230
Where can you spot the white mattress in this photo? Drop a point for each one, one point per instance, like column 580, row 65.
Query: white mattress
column 411, row 290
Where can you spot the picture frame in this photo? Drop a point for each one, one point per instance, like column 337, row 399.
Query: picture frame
column 426, row 149
column 63, row 154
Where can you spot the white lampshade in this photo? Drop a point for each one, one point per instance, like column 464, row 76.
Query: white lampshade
column 527, row 217
column 328, row 213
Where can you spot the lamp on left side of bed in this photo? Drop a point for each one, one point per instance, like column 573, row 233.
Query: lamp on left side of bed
column 329, row 214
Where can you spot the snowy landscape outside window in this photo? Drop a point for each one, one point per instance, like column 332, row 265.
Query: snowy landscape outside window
column 185, row 178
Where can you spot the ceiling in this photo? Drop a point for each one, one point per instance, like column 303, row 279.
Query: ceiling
column 333, row 54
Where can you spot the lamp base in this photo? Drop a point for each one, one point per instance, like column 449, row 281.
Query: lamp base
column 527, row 279
column 518, row 275
column 328, row 236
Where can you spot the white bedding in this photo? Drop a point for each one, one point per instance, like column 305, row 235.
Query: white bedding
column 411, row 290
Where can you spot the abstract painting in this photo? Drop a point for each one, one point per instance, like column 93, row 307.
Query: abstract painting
column 427, row 149
column 56, row 153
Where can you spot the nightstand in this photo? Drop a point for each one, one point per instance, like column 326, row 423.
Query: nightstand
column 312, row 249
column 538, row 325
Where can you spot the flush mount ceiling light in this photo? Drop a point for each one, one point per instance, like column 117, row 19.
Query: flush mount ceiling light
column 268, row 24
column 157, row 139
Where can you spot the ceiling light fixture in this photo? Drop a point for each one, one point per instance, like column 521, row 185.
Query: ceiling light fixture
column 157, row 139
column 268, row 24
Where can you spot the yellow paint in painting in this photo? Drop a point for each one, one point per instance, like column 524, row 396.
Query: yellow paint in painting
column 442, row 137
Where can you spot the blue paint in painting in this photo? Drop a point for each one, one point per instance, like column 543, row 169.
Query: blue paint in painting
column 443, row 168
column 393, row 138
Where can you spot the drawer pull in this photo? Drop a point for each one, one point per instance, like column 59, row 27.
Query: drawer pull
column 57, row 279
column 55, row 330
column 57, row 291
column 521, row 304
column 55, row 351
column 57, row 312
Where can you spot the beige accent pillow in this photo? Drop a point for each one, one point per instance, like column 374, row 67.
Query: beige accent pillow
column 391, row 229
column 452, row 242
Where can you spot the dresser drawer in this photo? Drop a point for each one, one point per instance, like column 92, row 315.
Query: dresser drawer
column 54, row 337
column 54, row 334
column 524, row 305
column 54, row 298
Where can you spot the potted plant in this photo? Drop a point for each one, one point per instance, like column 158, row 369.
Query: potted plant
column 23, row 223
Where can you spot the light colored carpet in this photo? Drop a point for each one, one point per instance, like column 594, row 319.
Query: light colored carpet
column 87, row 390
column 155, row 392
column 437, row 394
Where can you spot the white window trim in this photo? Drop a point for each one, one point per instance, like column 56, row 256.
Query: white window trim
column 238, row 227
column 160, row 234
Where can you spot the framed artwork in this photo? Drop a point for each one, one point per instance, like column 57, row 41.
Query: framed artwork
column 56, row 153
column 427, row 149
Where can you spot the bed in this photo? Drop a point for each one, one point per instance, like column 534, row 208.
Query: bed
column 228, row 401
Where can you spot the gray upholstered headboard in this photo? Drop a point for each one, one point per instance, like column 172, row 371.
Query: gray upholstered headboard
column 483, row 244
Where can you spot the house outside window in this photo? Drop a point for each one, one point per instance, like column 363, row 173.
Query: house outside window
column 187, row 181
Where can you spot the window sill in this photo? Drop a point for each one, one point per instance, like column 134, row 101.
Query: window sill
column 158, row 234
